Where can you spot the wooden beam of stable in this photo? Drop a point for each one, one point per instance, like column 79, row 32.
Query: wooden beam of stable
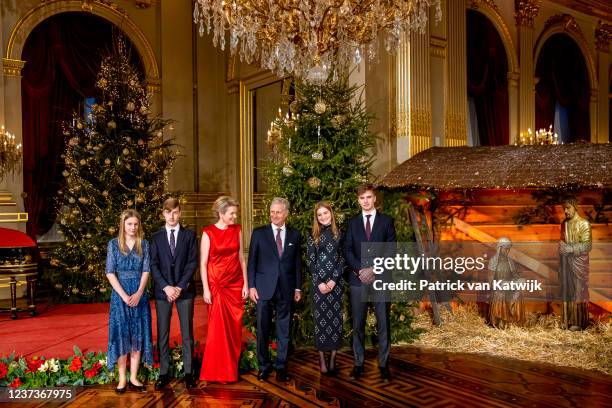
column 538, row 267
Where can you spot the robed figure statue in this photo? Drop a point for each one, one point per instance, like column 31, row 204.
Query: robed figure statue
column 574, row 251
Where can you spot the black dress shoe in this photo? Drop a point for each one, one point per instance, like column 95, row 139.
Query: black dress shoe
column 357, row 372
column 282, row 376
column 190, row 382
column 162, row 382
column 121, row 390
column 263, row 375
column 385, row 375
column 139, row 388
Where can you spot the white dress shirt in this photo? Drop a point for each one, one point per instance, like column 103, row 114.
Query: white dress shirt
column 283, row 233
column 365, row 219
column 176, row 229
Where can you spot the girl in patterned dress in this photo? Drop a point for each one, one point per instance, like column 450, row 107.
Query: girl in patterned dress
column 326, row 263
column 129, row 327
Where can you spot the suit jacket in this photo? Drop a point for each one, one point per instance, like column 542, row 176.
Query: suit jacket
column 383, row 230
column 266, row 269
column 177, row 270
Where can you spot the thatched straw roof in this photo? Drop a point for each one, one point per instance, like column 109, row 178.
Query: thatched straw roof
column 581, row 165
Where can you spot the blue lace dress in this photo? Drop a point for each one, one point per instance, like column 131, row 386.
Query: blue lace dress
column 129, row 328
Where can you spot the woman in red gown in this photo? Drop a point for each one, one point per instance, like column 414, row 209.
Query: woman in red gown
column 224, row 278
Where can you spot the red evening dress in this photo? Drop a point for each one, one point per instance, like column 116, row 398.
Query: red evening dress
column 225, row 280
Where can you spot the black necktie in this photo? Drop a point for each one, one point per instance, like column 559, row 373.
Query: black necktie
column 368, row 227
column 172, row 242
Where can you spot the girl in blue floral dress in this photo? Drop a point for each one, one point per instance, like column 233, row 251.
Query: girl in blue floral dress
column 129, row 327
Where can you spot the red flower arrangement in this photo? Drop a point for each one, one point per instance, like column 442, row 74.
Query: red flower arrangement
column 16, row 383
column 3, row 370
column 34, row 364
column 76, row 364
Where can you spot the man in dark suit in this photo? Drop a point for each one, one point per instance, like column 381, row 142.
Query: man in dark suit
column 369, row 226
column 274, row 273
column 174, row 259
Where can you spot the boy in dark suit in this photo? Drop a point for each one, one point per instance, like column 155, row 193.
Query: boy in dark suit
column 274, row 274
column 369, row 226
column 174, row 259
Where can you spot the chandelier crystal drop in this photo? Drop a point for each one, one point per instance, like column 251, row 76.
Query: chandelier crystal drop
column 307, row 38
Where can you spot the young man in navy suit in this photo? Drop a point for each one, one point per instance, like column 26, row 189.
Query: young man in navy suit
column 369, row 226
column 174, row 259
column 274, row 274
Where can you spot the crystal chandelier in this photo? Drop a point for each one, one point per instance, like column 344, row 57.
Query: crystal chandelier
column 307, row 38
column 10, row 154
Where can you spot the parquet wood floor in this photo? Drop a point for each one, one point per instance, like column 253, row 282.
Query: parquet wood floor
column 421, row 378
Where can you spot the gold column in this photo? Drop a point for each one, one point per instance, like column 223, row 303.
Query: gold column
column 420, row 93
column 10, row 107
column 526, row 11
column 603, row 33
column 455, row 124
column 402, row 100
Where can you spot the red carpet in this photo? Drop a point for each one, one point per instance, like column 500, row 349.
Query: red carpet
column 57, row 328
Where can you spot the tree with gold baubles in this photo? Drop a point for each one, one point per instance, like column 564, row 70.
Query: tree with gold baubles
column 117, row 157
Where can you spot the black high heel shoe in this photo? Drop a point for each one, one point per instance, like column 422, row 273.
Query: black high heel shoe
column 121, row 390
column 139, row 388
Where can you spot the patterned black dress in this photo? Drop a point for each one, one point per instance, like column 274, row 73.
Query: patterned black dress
column 326, row 263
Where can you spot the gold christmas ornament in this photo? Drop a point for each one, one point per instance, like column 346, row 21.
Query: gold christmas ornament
column 111, row 124
column 83, row 162
column 288, row 170
column 98, row 219
column 107, row 161
column 126, row 151
column 144, row 110
column 73, row 141
column 314, row 182
column 141, row 185
column 111, row 230
column 140, row 142
column 105, row 193
column 71, row 200
column 337, row 121
column 83, row 200
column 130, row 107
column 95, row 249
column 65, row 173
column 320, row 107
column 79, row 125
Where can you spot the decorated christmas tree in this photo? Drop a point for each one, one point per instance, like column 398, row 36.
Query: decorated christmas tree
column 116, row 157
